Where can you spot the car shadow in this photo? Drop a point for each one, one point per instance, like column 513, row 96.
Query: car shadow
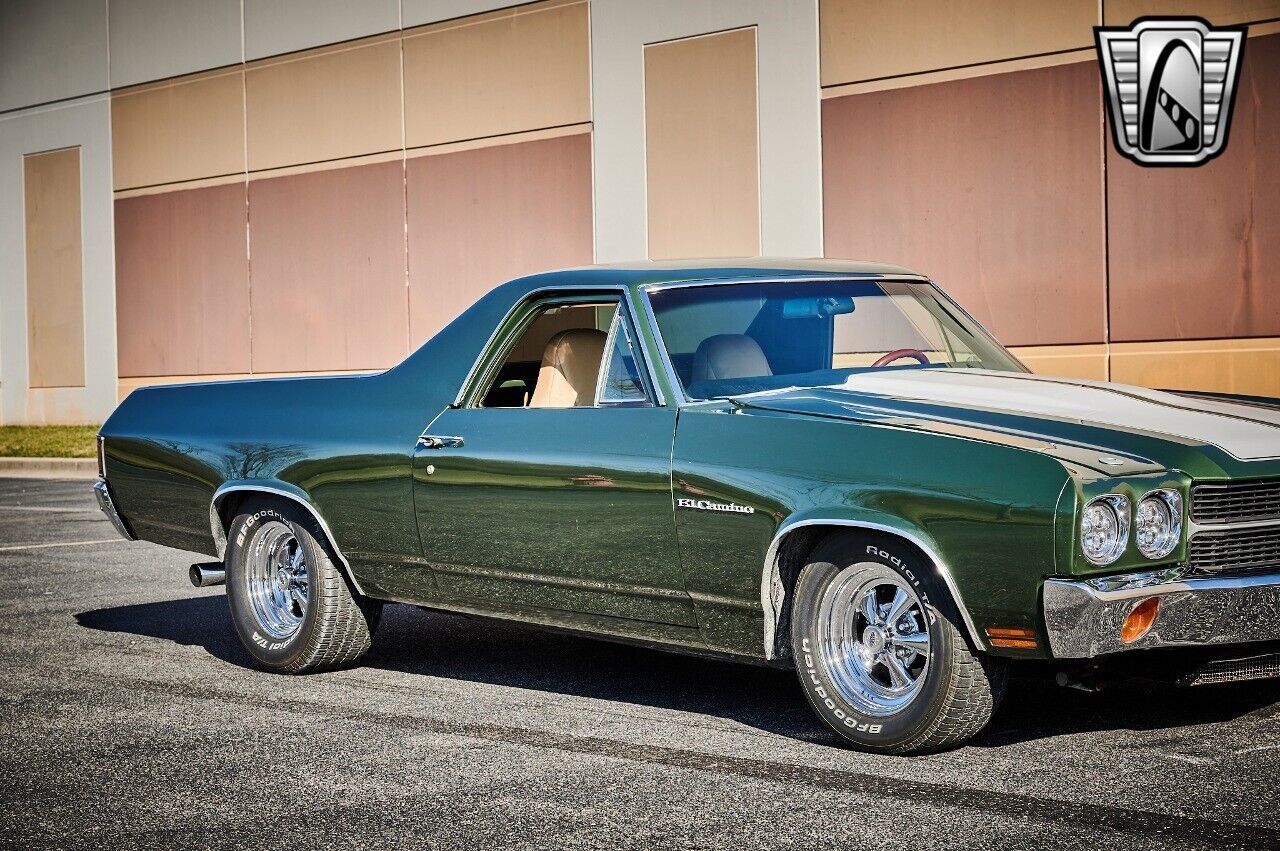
column 479, row 650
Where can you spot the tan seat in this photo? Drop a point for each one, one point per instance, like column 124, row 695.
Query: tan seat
column 729, row 356
column 570, row 369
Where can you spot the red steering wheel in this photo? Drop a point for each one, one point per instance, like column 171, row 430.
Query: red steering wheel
column 898, row 354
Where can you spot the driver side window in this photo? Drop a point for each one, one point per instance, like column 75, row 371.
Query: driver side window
column 570, row 355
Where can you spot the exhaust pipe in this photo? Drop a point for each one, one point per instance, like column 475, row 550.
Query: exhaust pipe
column 207, row 574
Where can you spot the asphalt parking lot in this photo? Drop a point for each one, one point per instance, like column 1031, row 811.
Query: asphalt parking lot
column 130, row 717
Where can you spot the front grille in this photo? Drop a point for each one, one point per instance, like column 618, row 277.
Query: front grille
column 1234, row 550
column 1236, row 502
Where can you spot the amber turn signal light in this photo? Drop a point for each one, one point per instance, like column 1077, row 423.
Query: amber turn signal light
column 1140, row 620
column 1007, row 637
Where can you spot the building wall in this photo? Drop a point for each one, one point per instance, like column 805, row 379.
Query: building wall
column 989, row 166
column 268, row 187
column 338, row 205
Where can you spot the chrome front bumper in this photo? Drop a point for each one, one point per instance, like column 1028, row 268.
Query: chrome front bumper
column 1083, row 617
column 108, row 507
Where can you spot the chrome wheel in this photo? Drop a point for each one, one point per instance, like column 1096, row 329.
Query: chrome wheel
column 278, row 583
column 874, row 639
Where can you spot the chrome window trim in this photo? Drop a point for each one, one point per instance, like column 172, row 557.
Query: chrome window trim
column 770, row 578
column 785, row 279
column 677, row 388
column 493, row 344
column 659, row 398
column 220, row 534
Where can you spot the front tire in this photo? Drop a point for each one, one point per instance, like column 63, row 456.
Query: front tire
column 291, row 605
column 880, row 653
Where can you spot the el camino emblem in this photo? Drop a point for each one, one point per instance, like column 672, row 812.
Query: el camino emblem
column 1170, row 86
column 708, row 505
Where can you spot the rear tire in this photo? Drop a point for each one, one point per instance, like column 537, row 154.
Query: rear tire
column 292, row 607
column 880, row 652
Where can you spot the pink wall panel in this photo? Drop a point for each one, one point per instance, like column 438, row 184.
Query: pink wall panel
column 480, row 217
column 1195, row 252
column 990, row 185
column 327, row 272
column 182, row 282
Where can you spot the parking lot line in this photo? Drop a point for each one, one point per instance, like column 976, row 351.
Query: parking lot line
column 15, row 547
column 88, row 510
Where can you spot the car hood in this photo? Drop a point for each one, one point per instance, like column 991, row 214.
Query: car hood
column 1133, row 428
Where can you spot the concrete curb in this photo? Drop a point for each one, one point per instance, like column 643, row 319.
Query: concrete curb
column 49, row 468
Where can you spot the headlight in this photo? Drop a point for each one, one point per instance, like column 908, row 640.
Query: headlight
column 1104, row 528
column 1157, row 524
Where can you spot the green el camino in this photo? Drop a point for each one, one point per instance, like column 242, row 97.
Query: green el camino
column 827, row 466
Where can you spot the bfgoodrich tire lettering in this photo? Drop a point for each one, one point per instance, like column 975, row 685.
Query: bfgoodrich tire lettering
column 328, row 625
column 908, row 686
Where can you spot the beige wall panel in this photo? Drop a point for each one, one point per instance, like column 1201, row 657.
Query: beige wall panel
column 1195, row 252
column 702, row 146
column 183, row 130
column 870, row 39
column 324, row 105
column 55, row 269
column 328, row 269
column 1089, row 361
column 515, row 70
column 182, row 282
column 1220, row 12
column 992, row 185
column 1251, row 367
column 480, row 217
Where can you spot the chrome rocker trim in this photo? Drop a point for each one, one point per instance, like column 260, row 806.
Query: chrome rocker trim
column 108, row 506
column 1083, row 617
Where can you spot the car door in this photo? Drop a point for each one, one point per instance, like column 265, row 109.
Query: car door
column 522, row 505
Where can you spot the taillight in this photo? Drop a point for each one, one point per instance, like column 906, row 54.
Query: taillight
column 102, row 461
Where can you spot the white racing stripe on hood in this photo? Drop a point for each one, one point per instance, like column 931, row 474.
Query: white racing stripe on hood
column 1246, row 432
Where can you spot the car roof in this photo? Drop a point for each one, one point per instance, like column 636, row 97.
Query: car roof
column 657, row 272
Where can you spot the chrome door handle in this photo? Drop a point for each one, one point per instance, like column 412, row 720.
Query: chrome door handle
column 438, row 441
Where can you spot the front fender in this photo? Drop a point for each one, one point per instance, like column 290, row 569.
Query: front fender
column 986, row 514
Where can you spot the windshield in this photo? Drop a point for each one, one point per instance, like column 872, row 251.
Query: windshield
column 729, row 339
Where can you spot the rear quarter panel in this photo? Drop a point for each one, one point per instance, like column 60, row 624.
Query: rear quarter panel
column 344, row 442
